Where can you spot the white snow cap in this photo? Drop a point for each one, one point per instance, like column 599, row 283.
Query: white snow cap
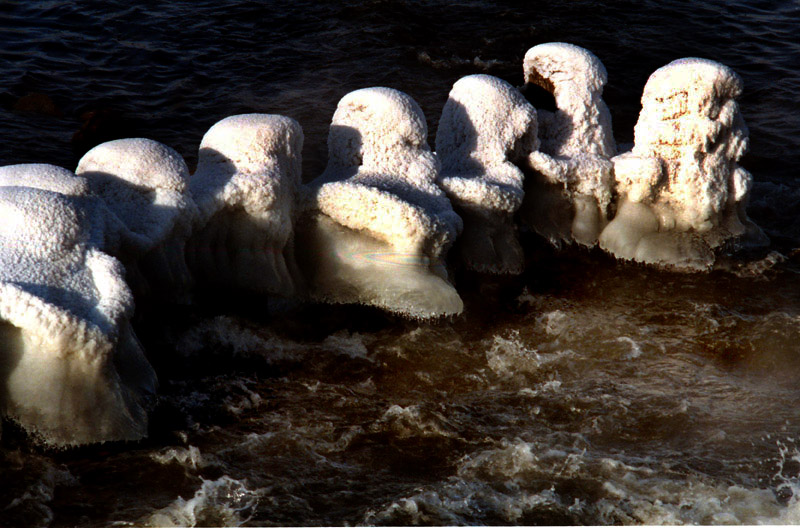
column 44, row 177
column 246, row 185
column 380, row 187
column 568, row 198
column 381, row 174
column 146, row 184
column 486, row 124
column 575, row 77
column 683, row 169
column 73, row 370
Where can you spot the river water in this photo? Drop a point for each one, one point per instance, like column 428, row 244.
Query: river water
column 586, row 391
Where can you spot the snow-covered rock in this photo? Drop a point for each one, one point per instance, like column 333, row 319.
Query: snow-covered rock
column 682, row 194
column 377, row 226
column 71, row 368
column 568, row 195
column 486, row 126
column 245, row 188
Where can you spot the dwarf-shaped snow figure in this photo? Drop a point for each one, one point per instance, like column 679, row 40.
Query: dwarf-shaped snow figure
column 378, row 226
column 146, row 185
column 682, row 194
column 568, row 194
column 71, row 369
column 486, row 126
column 245, row 187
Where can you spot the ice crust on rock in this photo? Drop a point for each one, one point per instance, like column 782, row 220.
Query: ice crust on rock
column 246, row 187
column 146, row 184
column 568, row 195
column 682, row 195
column 71, row 368
column 486, row 125
column 45, row 177
column 377, row 225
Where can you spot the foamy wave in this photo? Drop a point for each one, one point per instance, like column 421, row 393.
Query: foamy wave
column 510, row 357
column 532, row 483
column 221, row 502
column 187, row 457
column 238, row 339
column 411, row 421
column 455, row 62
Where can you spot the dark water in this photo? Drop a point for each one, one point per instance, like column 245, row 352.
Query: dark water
column 587, row 391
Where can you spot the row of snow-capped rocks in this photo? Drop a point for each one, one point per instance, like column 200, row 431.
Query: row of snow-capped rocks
column 374, row 228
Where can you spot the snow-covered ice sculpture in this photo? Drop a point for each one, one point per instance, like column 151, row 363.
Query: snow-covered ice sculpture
column 71, row 368
column 146, row 184
column 486, row 125
column 377, row 226
column 246, row 187
column 568, row 194
column 682, row 194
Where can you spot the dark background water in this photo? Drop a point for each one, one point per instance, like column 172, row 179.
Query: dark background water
column 170, row 71
column 598, row 393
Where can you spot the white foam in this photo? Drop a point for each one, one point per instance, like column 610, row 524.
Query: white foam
column 221, row 502
column 188, row 457
column 377, row 225
column 411, row 422
column 486, row 125
column 246, row 189
column 519, row 480
column 682, row 193
column 568, row 196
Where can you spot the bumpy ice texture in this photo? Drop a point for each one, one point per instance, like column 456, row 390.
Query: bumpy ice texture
column 146, row 184
column 682, row 193
column 568, row 195
column 246, row 188
column 486, row 126
column 71, row 368
column 378, row 226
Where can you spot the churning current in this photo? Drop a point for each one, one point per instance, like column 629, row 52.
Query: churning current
column 586, row 391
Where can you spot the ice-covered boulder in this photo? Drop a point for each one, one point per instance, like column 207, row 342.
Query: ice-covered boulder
column 245, row 188
column 568, row 194
column 71, row 369
column 45, row 177
column 146, row 184
column 486, row 126
column 682, row 195
column 377, row 226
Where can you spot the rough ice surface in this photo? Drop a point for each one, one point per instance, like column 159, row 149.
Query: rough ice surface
column 486, row 125
column 146, row 185
column 246, row 189
column 682, row 194
column 71, row 368
column 377, row 226
column 568, row 195
column 44, row 177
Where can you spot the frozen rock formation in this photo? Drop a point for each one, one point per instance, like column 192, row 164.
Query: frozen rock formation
column 682, row 194
column 71, row 369
column 568, row 194
column 245, row 187
column 485, row 126
column 146, row 184
column 378, row 226
column 44, row 177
